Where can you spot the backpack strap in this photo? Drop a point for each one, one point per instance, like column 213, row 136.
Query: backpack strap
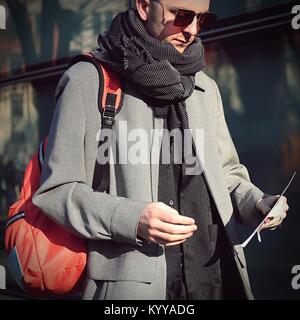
column 110, row 94
column 110, row 101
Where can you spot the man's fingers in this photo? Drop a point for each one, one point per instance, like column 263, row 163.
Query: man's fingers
column 169, row 244
column 166, row 208
column 170, row 215
column 265, row 205
column 161, row 237
column 273, row 222
column 283, row 200
column 176, row 219
column 175, row 229
column 161, row 224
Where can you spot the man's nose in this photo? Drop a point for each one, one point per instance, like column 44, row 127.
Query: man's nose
column 193, row 28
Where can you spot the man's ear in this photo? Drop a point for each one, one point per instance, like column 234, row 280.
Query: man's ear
column 143, row 8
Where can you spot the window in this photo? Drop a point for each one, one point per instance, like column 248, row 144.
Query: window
column 16, row 107
column 53, row 30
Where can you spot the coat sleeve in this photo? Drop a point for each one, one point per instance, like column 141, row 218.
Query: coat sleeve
column 244, row 194
column 64, row 194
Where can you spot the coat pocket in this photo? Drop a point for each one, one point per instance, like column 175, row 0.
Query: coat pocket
column 123, row 262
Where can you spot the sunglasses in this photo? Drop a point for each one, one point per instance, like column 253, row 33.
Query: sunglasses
column 184, row 18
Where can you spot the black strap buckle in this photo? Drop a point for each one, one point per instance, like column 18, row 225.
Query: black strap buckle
column 108, row 116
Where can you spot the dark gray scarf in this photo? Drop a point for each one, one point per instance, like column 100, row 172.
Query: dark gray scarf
column 164, row 77
column 162, row 74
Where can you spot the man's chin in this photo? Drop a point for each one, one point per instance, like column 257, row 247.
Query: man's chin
column 179, row 46
column 181, row 49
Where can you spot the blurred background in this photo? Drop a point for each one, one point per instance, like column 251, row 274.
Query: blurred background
column 252, row 53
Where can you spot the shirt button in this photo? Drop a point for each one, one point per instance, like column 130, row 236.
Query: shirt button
column 171, row 202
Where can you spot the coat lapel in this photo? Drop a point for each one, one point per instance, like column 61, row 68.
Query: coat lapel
column 201, row 118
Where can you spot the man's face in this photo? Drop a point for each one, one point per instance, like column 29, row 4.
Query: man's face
column 159, row 18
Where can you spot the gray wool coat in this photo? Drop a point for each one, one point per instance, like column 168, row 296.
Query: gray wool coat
column 119, row 265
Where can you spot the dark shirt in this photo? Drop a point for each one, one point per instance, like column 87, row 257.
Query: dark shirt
column 202, row 268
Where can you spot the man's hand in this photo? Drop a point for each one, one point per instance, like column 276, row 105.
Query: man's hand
column 162, row 224
column 264, row 205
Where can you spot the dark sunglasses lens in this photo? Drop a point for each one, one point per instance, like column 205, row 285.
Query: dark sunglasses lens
column 183, row 18
column 207, row 21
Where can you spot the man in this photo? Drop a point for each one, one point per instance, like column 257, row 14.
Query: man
column 167, row 230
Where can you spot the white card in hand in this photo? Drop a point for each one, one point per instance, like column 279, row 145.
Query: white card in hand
column 276, row 211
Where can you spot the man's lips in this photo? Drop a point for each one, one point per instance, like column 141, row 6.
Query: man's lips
column 183, row 42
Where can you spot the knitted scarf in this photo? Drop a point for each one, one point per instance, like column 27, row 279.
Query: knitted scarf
column 163, row 76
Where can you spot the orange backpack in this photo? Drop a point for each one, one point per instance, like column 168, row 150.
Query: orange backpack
column 44, row 258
